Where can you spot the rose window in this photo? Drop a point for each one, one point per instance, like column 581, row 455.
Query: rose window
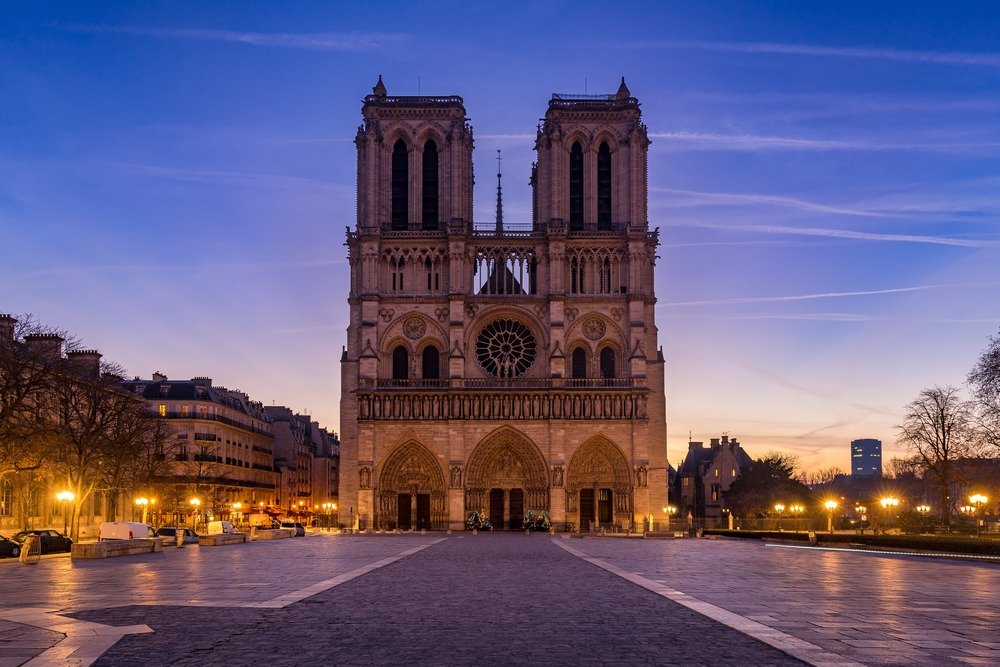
column 505, row 348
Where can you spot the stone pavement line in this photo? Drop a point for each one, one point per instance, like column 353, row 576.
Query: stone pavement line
column 84, row 642
column 309, row 591
column 793, row 646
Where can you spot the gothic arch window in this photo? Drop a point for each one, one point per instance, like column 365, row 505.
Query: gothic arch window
column 6, row 498
column 607, row 363
column 431, row 363
column 433, row 270
column 604, row 186
column 398, row 267
column 505, row 348
column 605, row 286
column 429, row 214
column 576, row 186
column 400, row 185
column 579, row 364
column 576, row 271
column 400, row 363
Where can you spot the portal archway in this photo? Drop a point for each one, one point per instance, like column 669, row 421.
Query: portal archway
column 506, row 476
column 598, row 485
column 411, row 490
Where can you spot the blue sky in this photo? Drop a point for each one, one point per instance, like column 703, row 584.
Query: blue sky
column 176, row 178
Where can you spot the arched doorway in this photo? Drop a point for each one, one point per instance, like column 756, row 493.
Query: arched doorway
column 506, row 476
column 411, row 490
column 599, row 486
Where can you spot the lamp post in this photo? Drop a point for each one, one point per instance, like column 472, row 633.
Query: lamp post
column 862, row 513
column 830, row 506
column 142, row 502
column 796, row 511
column 779, row 508
column 978, row 501
column 66, row 498
column 887, row 503
column 195, row 504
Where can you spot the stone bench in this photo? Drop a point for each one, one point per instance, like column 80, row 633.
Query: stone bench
column 221, row 539
column 275, row 533
column 113, row 548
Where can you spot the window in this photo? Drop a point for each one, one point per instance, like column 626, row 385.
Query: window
column 433, row 275
column 6, row 498
column 607, row 363
column 579, row 364
column 576, row 186
column 400, row 186
column 604, row 186
column 397, row 268
column 431, row 362
column 430, row 186
column 576, row 270
column 605, row 287
column 184, row 409
column 714, row 492
column 400, row 363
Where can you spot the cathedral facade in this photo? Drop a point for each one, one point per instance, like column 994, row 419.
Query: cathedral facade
column 497, row 367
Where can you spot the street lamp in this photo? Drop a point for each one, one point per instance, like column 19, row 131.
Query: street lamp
column 195, row 504
column 978, row 501
column 65, row 497
column 143, row 503
column 779, row 508
column 887, row 503
column 830, row 505
column 923, row 509
column 796, row 511
column 862, row 513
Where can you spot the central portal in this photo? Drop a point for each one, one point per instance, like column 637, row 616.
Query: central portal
column 516, row 509
column 496, row 508
column 506, row 476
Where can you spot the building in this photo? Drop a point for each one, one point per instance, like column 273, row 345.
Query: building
column 307, row 458
column 222, row 452
column 706, row 474
column 502, row 367
column 866, row 457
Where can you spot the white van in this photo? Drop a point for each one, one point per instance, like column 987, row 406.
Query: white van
column 124, row 530
column 220, row 528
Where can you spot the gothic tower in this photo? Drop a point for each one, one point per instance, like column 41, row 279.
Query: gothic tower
column 502, row 366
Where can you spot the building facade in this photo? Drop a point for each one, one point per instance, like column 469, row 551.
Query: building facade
column 496, row 367
column 866, row 457
column 306, row 457
column 706, row 474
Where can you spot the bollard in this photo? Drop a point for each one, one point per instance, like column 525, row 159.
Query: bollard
column 475, row 532
column 180, row 538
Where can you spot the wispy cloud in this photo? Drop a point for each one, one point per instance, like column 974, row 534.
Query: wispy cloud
column 242, row 179
column 696, row 198
column 209, row 267
column 518, row 138
column 340, row 326
column 843, row 234
column 841, row 317
column 800, row 297
column 815, row 50
column 713, row 141
column 359, row 42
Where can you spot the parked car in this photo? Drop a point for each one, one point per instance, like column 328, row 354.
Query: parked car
column 52, row 540
column 169, row 535
column 220, row 528
column 263, row 521
column 124, row 530
column 300, row 530
column 9, row 548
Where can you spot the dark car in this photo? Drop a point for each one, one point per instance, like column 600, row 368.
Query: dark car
column 52, row 540
column 9, row 548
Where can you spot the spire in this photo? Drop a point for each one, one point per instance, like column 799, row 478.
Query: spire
column 499, row 197
column 379, row 88
column 623, row 91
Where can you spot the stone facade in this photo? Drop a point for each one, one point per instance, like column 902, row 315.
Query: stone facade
column 496, row 367
column 706, row 474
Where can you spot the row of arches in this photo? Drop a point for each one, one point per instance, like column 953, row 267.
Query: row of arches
column 430, row 363
column 505, row 475
column 580, row 363
column 429, row 186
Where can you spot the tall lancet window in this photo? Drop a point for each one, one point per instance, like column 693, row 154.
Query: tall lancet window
column 400, row 185
column 576, row 186
column 604, row 186
column 430, row 186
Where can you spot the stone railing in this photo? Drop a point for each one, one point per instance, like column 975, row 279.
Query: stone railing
column 112, row 548
column 222, row 539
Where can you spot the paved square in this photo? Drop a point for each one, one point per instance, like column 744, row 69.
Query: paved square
column 500, row 598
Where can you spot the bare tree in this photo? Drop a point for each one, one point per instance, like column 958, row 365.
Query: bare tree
column 938, row 428
column 985, row 382
column 820, row 477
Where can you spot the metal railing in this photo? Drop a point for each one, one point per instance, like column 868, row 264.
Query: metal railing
column 502, row 383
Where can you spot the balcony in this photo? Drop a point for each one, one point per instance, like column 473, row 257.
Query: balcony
column 205, row 416
column 602, row 384
column 510, row 229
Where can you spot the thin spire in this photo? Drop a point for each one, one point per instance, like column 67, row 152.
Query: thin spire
column 499, row 197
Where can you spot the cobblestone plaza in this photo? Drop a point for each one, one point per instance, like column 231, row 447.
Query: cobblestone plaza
column 500, row 598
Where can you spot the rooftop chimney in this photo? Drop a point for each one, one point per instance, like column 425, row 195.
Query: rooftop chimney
column 88, row 362
column 7, row 324
column 48, row 346
column 159, row 377
column 206, row 382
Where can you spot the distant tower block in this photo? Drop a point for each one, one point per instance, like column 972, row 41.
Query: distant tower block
column 866, row 457
column 502, row 366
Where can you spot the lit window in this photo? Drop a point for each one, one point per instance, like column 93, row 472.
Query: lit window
column 163, row 410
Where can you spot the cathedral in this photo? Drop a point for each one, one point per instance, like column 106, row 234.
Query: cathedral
column 502, row 367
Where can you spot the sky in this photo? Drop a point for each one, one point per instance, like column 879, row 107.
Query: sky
column 176, row 180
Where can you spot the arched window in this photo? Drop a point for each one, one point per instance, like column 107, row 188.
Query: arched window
column 398, row 269
column 6, row 498
column 400, row 363
column 604, row 186
column 576, row 270
column 430, row 186
column 431, row 362
column 400, row 185
column 606, row 276
column 579, row 370
column 576, row 186
column 607, row 363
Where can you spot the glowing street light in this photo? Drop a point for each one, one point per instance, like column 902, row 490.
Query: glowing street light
column 924, row 509
column 830, row 506
column 862, row 513
column 66, row 498
column 195, row 505
column 142, row 502
column 887, row 503
column 978, row 500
